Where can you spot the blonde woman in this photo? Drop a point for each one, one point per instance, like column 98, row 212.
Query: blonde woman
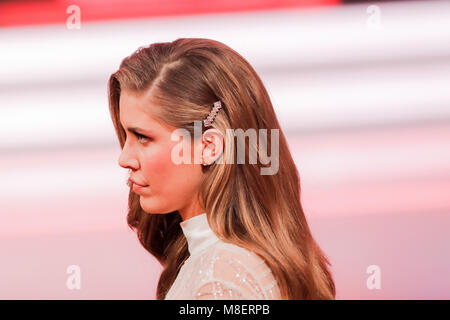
column 220, row 228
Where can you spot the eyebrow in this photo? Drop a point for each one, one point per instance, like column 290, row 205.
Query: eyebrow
column 137, row 130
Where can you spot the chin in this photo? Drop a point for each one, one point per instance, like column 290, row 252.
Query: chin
column 148, row 205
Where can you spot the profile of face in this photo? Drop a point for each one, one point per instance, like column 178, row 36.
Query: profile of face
column 163, row 185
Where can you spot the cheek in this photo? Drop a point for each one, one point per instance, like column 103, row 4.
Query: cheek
column 158, row 167
column 166, row 176
column 155, row 162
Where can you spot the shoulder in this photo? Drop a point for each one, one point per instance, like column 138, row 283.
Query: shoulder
column 233, row 272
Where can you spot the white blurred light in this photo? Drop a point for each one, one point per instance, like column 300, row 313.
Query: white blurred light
column 53, row 80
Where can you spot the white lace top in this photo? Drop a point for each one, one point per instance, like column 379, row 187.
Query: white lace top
column 220, row 270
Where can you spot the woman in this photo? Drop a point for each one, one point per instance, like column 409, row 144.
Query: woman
column 220, row 228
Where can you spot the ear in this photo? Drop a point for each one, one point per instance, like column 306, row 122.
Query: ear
column 213, row 146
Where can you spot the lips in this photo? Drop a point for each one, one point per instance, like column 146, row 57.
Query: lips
column 131, row 181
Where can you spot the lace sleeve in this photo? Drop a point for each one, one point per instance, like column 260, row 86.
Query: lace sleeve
column 237, row 274
column 219, row 290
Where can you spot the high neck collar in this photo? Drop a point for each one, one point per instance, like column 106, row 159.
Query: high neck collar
column 198, row 233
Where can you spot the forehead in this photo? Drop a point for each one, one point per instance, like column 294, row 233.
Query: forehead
column 135, row 110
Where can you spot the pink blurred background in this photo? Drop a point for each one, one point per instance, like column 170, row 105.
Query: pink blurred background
column 361, row 91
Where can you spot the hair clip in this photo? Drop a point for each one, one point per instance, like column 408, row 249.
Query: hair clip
column 209, row 120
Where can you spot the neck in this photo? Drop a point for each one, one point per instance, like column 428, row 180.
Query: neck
column 191, row 210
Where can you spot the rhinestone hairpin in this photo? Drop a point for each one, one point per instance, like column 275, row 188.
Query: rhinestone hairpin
column 209, row 120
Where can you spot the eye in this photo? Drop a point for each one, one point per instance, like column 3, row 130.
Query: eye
column 142, row 139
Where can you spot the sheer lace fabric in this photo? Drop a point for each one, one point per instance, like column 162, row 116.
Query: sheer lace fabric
column 220, row 270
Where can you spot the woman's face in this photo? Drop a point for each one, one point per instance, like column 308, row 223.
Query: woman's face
column 147, row 153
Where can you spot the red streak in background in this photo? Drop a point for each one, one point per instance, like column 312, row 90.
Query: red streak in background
column 54, row 12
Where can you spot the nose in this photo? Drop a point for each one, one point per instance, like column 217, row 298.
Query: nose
column 127, row 160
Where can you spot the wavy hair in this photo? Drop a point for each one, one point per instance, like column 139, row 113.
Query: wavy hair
column 261, row 213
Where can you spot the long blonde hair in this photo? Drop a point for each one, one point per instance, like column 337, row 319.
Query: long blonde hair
column 261, row 213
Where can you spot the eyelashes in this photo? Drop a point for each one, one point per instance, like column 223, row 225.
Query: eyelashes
column 141, row 137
